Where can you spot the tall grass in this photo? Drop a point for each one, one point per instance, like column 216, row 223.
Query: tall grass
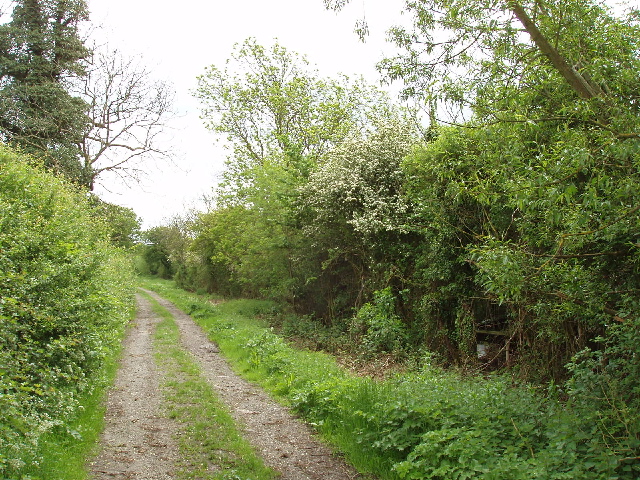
column 429, row 424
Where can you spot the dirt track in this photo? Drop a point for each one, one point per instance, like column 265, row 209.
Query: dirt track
column 139, row 443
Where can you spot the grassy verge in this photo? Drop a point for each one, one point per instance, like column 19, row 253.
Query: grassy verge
column 424, row 425
column 211, row 448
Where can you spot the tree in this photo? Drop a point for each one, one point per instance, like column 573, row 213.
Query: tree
column 356, row 214
column 127, row 112
column 483, row 56
column 528, row 210
column 218, row 250
column 271, row 105
column 40, row 54
column 122, row 222
column 281, row 120
column 166, row 247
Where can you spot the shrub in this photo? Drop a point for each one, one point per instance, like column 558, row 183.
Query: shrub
column 381, row 328
column 65, row 293
column 604, row 389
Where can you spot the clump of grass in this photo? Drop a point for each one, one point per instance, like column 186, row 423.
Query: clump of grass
column 211, row 447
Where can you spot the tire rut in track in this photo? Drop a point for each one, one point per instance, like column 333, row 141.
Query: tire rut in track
column 138, row 441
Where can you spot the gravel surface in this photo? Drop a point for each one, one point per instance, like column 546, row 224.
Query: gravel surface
column 138, row 442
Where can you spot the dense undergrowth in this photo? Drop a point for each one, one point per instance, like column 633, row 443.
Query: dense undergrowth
column 429, row 424
column 65, row 298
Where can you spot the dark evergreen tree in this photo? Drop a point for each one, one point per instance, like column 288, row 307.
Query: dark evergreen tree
column 41, row 53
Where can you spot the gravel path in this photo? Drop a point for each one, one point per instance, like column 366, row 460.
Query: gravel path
column 138, row 443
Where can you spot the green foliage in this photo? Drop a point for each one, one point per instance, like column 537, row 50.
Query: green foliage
column 41, row 52
column 65, row 294
column 216, row 256
column 516, row 227
column 604, row 389
column 467, row 53
column 379, row 325
column 308, row 331
column 282, row 120
column 63, row 452
column 268, row 352
column 165, row 248
column 543, row 241
column 269, row 102
column 429, row 424
column 519, row 222
column 355, row 213
column 123, row 223
column 535, row 192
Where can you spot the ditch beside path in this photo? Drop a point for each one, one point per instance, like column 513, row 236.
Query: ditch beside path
column 139, row 442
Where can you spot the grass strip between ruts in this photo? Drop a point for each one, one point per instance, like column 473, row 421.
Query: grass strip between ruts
column 210, row 445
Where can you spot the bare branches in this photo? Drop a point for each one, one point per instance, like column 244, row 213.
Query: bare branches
column 128, row 112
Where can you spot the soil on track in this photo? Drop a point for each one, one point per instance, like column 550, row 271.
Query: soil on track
column 139, row 443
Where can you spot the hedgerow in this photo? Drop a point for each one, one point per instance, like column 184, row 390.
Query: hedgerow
column 65, row 295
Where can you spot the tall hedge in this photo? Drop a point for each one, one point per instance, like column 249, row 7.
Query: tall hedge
column 65, row 296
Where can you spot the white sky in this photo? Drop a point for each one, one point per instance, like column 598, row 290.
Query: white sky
column 178, row 40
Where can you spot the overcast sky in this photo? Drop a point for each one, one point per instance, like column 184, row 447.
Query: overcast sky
column 177, row 40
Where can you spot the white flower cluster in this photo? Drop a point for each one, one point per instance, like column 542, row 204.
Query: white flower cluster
column 361, row 181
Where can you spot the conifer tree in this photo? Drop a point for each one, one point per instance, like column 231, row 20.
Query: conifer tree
column 41, row 53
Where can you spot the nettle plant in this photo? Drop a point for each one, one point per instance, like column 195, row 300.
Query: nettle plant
column 379, row 326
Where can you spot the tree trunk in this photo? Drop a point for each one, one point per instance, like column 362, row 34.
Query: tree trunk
column 570, row 74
